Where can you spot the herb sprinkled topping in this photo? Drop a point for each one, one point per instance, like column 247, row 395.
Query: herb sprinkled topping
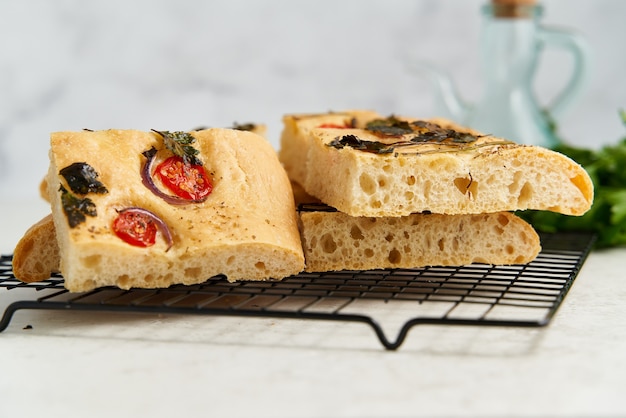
column 353, row 141
column 82, row 179
column 408, row 134
column 179, row 143
column 431, row 132
column 389, row 127
column 76, row 209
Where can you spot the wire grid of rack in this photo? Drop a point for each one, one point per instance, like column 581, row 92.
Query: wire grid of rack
column 478, row 294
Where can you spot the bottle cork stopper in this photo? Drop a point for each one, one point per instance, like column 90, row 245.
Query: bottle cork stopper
column 514, row 2
column 513, row 8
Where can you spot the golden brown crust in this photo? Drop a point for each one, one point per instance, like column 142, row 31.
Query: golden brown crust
column 43, row 189
column 36, row 255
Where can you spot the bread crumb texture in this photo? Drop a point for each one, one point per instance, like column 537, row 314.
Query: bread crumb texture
column 336, row 241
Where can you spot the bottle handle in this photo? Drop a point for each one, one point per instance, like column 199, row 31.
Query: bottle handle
column 577, row 46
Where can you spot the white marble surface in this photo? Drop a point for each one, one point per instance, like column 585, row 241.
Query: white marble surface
column 68, row 65
column 178, row 64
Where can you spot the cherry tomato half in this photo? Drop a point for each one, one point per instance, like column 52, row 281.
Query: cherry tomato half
column 135, row 228
column 188, row 181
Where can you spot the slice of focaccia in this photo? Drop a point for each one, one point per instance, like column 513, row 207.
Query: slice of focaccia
column 295, row 137
column 396, row 167
column 36, row 255
column 335, row 241
column 218, row 202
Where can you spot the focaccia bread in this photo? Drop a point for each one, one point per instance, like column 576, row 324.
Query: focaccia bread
column 245, row 229
column 296, row 134
column 396, row 167
column 335, row 241
column 36, row 255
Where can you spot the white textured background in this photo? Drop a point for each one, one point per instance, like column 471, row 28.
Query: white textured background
column 176, row 64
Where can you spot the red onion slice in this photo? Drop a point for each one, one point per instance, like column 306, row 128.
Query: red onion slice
column 165, row 230
column 146, row 179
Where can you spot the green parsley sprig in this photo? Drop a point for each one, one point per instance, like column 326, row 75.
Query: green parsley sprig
column 607, row 216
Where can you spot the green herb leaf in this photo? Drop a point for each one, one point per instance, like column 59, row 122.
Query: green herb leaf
column 180, row 144
column 244, row 126
column 353, row 141
column 389, row 127
column 431, row 132
column 82, row 179
column 76, row 209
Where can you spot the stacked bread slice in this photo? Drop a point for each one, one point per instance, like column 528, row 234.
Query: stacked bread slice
column 402, row 192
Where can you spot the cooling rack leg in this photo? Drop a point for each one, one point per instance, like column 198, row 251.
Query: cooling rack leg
column 389, row 345
column 8, row 314
column 404, row 331
column 25, row 304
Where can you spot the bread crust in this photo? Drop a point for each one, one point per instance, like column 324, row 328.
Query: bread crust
column 246, row 229
column 488, row 175
column 36, row 255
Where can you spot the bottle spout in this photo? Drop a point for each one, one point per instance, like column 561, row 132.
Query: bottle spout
column 448, row 102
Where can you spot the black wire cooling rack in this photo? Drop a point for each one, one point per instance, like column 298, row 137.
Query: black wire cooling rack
column 521, row 295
